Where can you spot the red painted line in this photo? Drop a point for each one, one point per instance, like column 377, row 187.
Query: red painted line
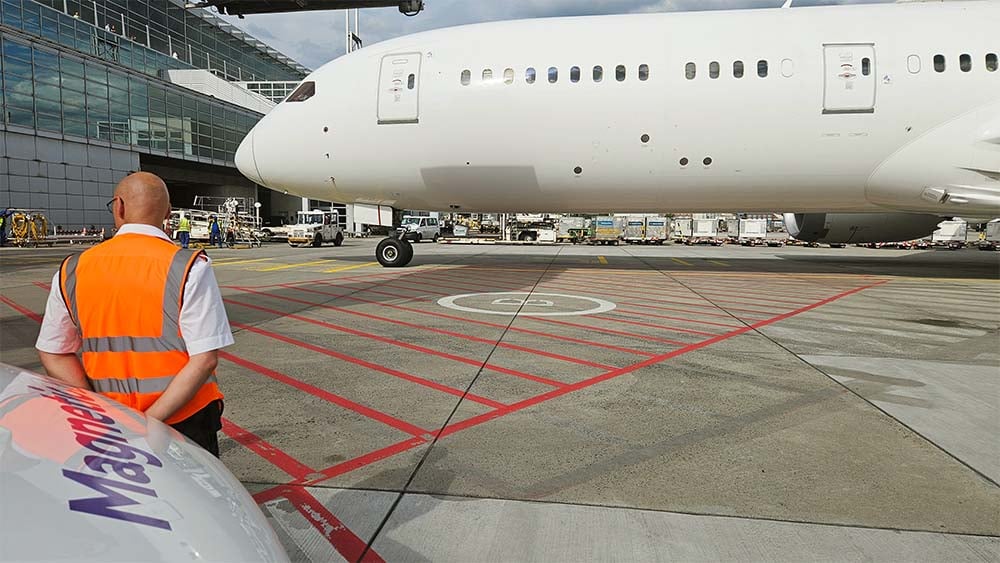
column 604, row 317
column 45, row 286
column 691, row 288
column 641, row 314
column 342, row 539
column 370, row 365
column 401, row 344
column 606, row 330
column 424, row 328
column 293, row 467
column 483, row 323
column 26, row 312
column 476, row 420
column 366, row 459
column 317, row 392
column 703, row 314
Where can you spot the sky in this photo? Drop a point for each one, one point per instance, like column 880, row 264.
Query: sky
column 313, row 38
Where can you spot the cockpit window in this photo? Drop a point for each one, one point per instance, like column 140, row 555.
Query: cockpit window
column 305, row 91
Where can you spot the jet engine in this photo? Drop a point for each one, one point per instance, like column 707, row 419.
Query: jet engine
column 859, row 227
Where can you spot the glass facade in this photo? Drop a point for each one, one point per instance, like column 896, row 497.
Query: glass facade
column 53, row 90
column 194, row 37
column 274, row 91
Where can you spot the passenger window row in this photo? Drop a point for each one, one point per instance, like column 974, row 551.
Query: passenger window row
column 575, row 74
column 941, row 63
column 715, row 69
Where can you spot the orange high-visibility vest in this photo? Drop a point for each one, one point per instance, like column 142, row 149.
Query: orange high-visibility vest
column 125, row 296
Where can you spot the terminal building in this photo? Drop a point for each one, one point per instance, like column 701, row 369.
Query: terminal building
column 95, row 89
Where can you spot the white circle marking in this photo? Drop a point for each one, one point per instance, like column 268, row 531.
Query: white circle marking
column 600, row 305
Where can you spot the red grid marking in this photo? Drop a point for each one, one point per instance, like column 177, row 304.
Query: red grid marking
column 675, row 309
column 293, row 467
column 45, row 286
column 342, row 539
column 424, row 328
column 371, row 366
column 604, row 317
column 466, row 320
column 394, row 449
column 655, row 316
column 26, row 312
column 414, row 347
column 348, row 404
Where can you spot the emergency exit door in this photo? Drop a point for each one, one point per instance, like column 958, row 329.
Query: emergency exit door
column 849, row 76
column 398, row 89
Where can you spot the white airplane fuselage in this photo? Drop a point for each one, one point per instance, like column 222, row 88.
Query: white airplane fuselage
column 852, row 116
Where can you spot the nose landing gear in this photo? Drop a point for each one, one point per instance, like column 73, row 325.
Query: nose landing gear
column 394, row 252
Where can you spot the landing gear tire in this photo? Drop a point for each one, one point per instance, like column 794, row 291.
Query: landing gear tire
column 317, row 241
column 339, row 240
column 394, row 253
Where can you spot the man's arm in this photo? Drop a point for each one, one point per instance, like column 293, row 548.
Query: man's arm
column 185, row 385
column 67, row 368
column 59, row 340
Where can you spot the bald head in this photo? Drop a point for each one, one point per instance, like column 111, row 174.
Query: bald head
column 142, row 198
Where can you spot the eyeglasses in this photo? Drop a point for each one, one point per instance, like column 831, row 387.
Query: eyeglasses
column 110, row 203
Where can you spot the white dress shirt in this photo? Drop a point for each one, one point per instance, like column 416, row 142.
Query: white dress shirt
column 203, row 320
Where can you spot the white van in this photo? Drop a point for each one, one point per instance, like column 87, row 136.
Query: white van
column 417, row 229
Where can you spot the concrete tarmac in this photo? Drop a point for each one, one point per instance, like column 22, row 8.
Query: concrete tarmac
column 562, row 403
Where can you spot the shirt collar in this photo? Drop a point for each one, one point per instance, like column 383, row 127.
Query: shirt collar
column 139, row 229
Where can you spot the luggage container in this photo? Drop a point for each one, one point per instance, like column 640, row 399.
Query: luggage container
column 752, row 231
column 572, row 229
column 657, row 230
column 682, row 228
column 607, row 230
column 951, row 233
column 635, row 229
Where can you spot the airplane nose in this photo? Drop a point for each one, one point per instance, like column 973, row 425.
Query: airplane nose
column 246, row 161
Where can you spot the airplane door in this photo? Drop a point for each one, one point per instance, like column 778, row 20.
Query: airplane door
column 849, row 78
column 398, row 88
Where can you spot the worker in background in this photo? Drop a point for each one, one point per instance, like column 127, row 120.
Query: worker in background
column 214, row 232
column 4, row 219
column 184, row 230
column 147, row 316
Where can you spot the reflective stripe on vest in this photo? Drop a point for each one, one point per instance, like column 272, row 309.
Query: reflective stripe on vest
column 106, row 302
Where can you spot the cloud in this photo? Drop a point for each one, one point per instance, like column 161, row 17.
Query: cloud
column 313, row 38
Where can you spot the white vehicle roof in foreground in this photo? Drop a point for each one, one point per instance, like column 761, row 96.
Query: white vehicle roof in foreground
column 86, row 479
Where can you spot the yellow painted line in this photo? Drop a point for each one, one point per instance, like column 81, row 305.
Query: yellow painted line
column 602, row 260
column 681, row 262
column 719, row 262
column 345, row 268
column 300, row 265
column 214, row 263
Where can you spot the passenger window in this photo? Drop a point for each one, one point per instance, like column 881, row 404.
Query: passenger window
column 529, row 75
column 965, row 63
column 913, row 64
column 305, row 91
column 690, row 70
column 487, row 74
column 466, row 77
column 508, row 76
column 738, row 69
column 643, row 72
column 598, row 74
column 866, row 66
column 620, row 73
column 713, row 70
column 553, row 75
column 939, row 64
column 991, row 62
column 574, row 74
column 411, row 81
column 762, row 68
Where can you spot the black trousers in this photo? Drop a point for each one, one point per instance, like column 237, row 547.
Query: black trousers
column 203, row 427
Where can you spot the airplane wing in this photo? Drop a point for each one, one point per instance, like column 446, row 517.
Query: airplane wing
column 243, row 7
column 85, row 478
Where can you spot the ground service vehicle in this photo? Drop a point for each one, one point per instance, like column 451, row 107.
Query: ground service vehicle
column 314, row 228
column 657, row 230
column 635, row 229
column 416, row 229
column 752, row 231
column 572, row 229
column 607, row 230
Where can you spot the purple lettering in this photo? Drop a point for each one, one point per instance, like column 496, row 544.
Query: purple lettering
column 106, row 505
column 81, row 426
column 87, row 413
column 118, row 450
column 132, row 471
